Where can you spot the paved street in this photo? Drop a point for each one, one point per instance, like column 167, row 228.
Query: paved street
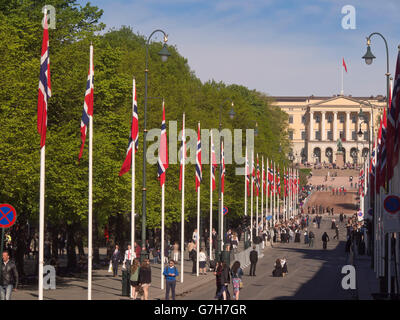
column 313, row 272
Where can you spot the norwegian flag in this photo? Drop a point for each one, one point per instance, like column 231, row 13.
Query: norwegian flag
column 278, row 183
column 361, row 183
column 198, row 160
column 372, row 171
column 163, row 150
column 298, row 182
column 393, row 125
column 126, row 166
column 87, row 104
column 285, row 184
column 258, row 178
column 247, row 175
column 382, row 153
column 270, row 178
column 183, row 153
column 213, row 163
column 263, row 178
column 223, row 168
column 44, row 85
column 378, row 161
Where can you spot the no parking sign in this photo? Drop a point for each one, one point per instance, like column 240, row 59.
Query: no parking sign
column 391, row 215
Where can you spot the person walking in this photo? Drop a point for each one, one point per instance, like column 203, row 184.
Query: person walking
column 128, row 258
column 170, row 273
column 325, row 239
column 193, row 257
column 277, row 272
column 236, row 276
column 306, row 239
column 336, row 233
column 218, row 279
column 9, row 281
column 176, row 251
column 202, row 262
column 145, row 278
column 253, row 261
column 319, row 221
column 225, row 279
column 134, row 279
column 284, row 266
column 190, row 247
column 311, row 237
column 116, row 259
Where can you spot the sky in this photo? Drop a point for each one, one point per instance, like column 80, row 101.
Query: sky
column 279, row 47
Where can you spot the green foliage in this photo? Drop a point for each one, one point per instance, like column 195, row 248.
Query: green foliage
column 119, row 55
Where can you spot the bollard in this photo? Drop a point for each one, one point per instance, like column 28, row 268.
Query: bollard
column 126, row 286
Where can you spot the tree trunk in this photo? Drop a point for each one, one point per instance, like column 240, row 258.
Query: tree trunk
column 96, row 251
column 71, row 253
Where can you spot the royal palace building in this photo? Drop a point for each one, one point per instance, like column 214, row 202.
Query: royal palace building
column 317, row 124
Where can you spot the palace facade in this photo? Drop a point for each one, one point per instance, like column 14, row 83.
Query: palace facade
column 317, row 123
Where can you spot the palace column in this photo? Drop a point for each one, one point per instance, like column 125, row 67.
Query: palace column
column 323, row 133
column 348, row 126
column 334, row 134
column 370, row 128
column 311, row 125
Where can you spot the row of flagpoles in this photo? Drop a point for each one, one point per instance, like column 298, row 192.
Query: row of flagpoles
column 380, row 184
column 269, row 184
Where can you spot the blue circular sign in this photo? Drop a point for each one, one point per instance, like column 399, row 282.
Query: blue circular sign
column 8, row 215
column 225, row 211
column 392, row 204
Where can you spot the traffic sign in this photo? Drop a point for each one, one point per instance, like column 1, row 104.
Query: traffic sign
column 392, row 204
column 225, row 211
column 8, row 215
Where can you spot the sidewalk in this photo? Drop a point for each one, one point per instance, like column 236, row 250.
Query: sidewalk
column 366, row 280
column 107, row 287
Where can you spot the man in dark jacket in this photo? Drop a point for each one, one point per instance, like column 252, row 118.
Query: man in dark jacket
column 116, row 259
column 9, row 279
column 253, row 261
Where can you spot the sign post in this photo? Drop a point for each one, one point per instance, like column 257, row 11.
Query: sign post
column 8, row 215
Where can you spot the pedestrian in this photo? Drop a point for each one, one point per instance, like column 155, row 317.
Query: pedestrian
column 319, row 221
column 116, row 259
column 277, row 272
column 236, row 275
column 325, row 239
column 202, row 262
column 195, row 236
column 176, row 252
column 134, row 279
column 9, row 280
column 190, row 247
column 311, row 237
column 336, row 233
column 218, row 279
column 193, row 257
column 306, row 237
column 225, row 279
column 170, row 273
column 253, row 261
column 145, row 278
column 284, row 266
column 137, row 250
column 128, row 258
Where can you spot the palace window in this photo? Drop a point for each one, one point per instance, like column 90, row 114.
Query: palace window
column 303, row 135
column 330, row 135
column 317, row 119
column 290, row 119
column 317, row 135
column 354, row 135
column 341, row 118
column 353, row 119
column 290, row 135
column 330, row 118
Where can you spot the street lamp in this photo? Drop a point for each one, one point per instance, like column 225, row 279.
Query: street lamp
column 218, row 255
column 164, row 56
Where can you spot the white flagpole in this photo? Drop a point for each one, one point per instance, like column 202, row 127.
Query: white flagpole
column 275, row 194
column 266, row 196
column 90, row 252
column 198, row 230
column 245, row 185
column 251, row 197
column 183, row 202
column 222, row 204
column 262, row 191
column 162, row 234
column 278, row 196
column 211, row 198
column 41, row 219
column 133, row 179
column 342, row 92
column 258, row 182
column 270, row 202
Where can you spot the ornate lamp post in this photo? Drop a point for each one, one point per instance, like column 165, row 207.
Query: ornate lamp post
column 164, row 54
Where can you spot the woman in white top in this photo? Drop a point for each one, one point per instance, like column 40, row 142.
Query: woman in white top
column 202, row 262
